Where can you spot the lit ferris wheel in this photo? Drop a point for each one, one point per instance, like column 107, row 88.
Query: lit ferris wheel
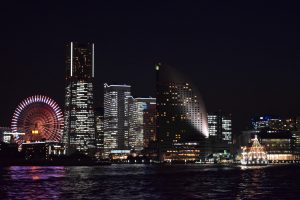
column 40, row 118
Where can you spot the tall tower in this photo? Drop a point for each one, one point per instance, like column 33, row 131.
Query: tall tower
column 116, row 117
column 150, row 125
column 79, row 127
column 181, row 117
column 138, row 133
column 220, row 131
column 99, row 137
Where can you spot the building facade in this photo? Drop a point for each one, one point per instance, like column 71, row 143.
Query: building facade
column 79, row 121
column 181, row 117
column 99, row 115
column 150, row 137
column 116, row 117
column 41, row 151
column 220, row 133
column 220, row 126
column 138, row 123
column 227, row 129
column 279, row 145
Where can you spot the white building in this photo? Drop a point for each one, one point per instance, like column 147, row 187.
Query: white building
column 116, row 117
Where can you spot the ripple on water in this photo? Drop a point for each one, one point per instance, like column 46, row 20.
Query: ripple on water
column 149, row 182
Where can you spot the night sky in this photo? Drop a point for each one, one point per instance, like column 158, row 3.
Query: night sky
column 244, row 57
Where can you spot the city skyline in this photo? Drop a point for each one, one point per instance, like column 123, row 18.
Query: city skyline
column 100, row 100
column 149, row 100
column 243, row 75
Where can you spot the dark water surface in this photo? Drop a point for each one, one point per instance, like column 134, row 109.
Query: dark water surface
column 150, row 182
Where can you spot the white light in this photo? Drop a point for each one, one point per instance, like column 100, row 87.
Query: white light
column 71, row 59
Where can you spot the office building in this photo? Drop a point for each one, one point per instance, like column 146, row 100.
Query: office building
column 150, row 137
column 99, row 115
column 116, row 117
column 220, row 126
column 79, row 121
column 278, row 144
column 220, row 134
column 227, row 129
column 181, row 117
column 138, row 123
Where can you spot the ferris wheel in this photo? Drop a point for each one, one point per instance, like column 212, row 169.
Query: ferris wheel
column 40, row 118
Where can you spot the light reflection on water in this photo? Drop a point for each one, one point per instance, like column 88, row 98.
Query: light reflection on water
column 150, row 182
column 31, row 182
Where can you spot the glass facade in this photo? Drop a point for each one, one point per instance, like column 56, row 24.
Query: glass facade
column 181, row 117
column 279, row 145
column 79, row 129
column 227, row 129
column 213, row 125
column 150, row 125
column 220, row 126
column 116, row 117
column 99, row 134
column 138, row 123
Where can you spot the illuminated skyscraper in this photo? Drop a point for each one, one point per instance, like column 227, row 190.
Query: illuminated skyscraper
column 99, row 131
column 150, row 125
column 181, row 117
column 79, row 127
column 214, row 125
column 220, row 127
column 116, row 117
column 138, row 123
column 220, row 132
column 227, row 129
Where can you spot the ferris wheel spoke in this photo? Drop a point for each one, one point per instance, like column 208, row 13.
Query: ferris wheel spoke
column 38, row 112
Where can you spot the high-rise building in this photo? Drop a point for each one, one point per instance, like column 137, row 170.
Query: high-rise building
column 181, row 117
column 220, row 133
column 79, row 122
column 137, row 122
column 214, row 125
column 150, row 125
column 99, row 115
column 116, row 117
column 227, row 128
column 132, row 122
column 220, row 127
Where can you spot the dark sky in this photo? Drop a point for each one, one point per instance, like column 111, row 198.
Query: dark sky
column 243, row 56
